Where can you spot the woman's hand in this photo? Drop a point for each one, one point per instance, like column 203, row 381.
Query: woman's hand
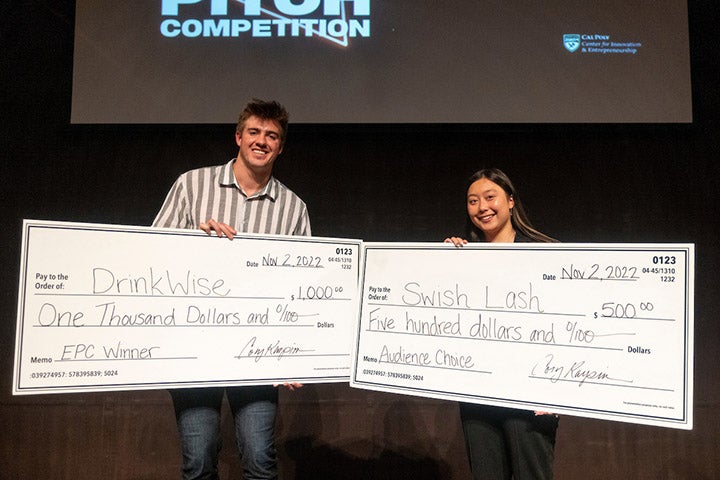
column 290, row 385
column 457, row 241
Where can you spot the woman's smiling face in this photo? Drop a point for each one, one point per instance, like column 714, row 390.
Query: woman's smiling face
column 488, row 206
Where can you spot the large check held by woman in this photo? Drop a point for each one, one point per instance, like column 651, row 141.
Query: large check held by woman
column 120, row 308
column 594, row 330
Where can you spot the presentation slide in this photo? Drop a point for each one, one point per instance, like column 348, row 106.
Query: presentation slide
column 382, row 61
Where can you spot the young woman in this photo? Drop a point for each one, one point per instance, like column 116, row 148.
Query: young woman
column 503, row 443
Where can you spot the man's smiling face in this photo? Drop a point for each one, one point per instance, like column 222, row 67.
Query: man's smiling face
column 260, row 144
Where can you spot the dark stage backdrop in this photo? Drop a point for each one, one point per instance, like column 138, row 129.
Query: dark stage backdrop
column 599, row 183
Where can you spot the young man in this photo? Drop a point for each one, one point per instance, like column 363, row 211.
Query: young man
column 239, row 196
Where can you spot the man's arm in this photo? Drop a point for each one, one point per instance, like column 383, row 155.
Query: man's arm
column 173, row 214
column 303, row 225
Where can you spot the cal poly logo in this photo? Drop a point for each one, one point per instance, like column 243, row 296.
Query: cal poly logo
column 571, row 41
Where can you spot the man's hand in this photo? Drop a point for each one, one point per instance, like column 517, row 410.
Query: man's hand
column 220, row 229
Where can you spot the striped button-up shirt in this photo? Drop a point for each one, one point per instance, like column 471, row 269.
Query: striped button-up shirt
column 212, row 192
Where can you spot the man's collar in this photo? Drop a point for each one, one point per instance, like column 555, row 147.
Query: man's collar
column 227, row 178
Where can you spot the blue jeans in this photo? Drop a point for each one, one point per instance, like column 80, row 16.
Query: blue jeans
column 197, row 412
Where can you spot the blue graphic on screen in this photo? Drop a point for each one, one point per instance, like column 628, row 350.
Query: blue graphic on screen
column 571, row 41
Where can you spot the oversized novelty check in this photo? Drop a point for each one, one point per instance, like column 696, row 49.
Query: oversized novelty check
column 594, row 330
column 124, row 308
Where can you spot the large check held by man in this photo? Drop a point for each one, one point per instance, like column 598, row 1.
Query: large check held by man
column 594, row 330
column 124, row 308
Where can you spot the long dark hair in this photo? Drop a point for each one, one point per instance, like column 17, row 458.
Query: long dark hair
column 518, row 217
